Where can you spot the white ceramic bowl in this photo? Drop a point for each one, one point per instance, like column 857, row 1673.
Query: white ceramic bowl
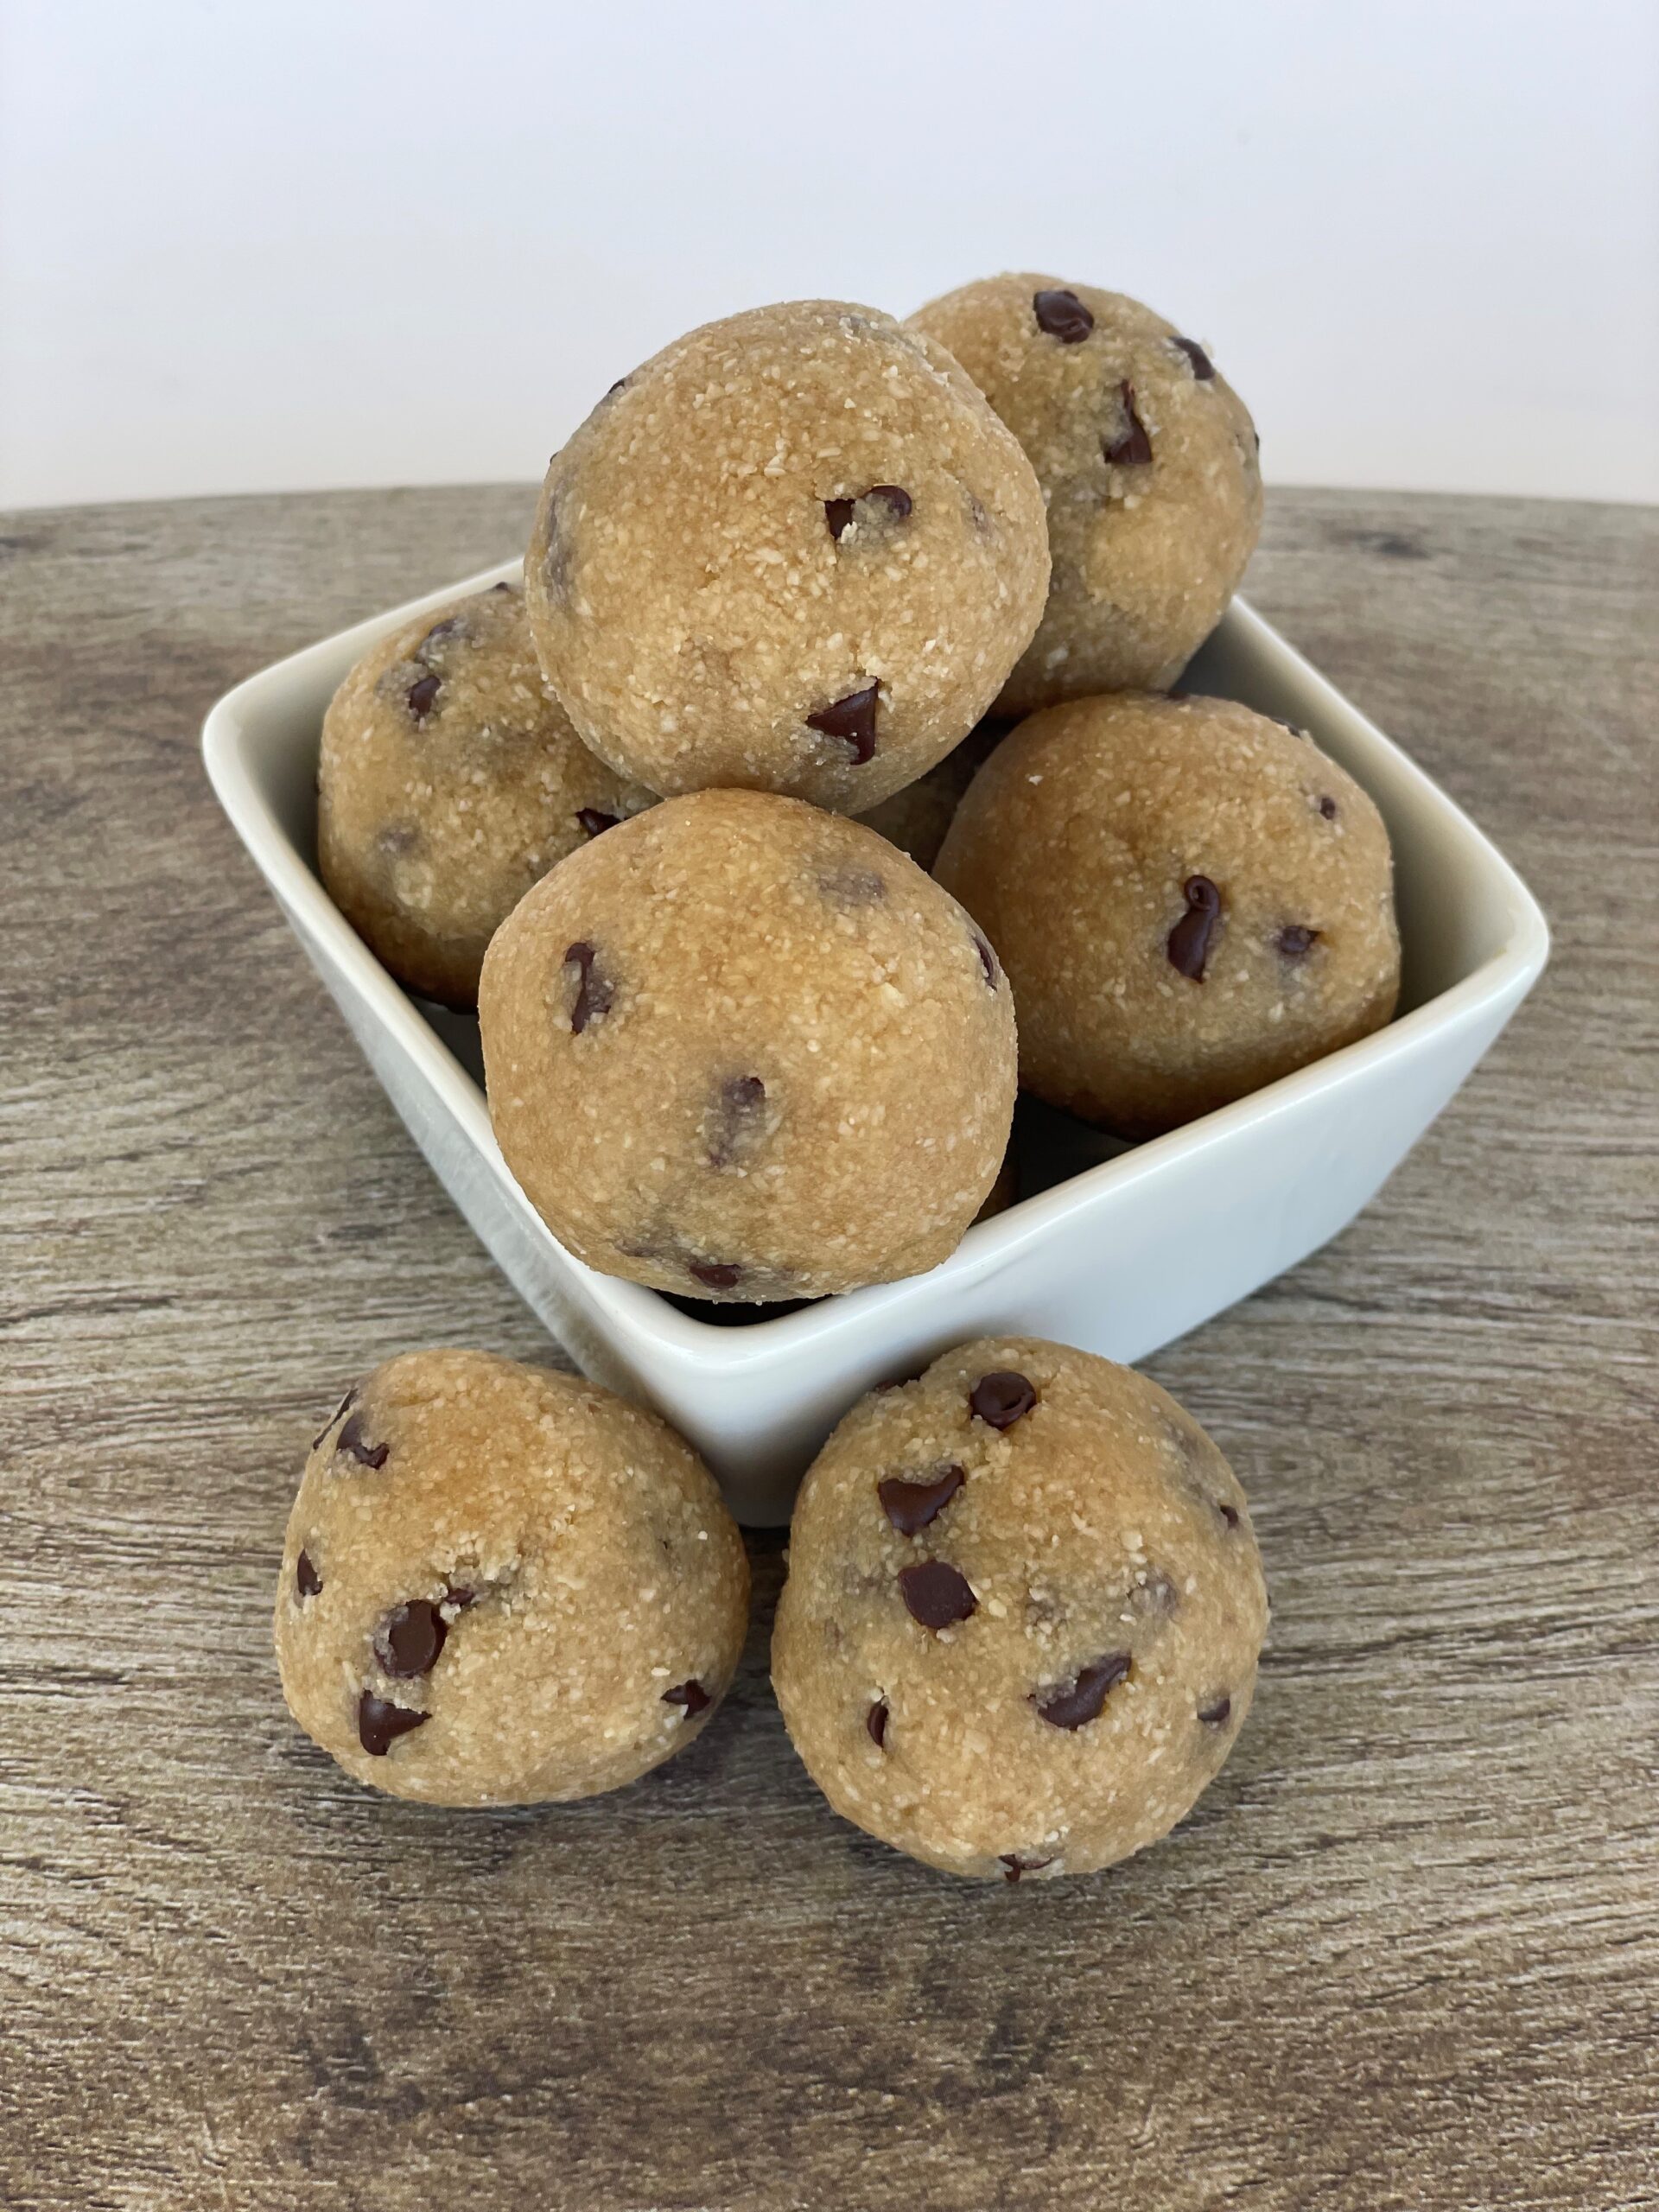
column 1126, row 1247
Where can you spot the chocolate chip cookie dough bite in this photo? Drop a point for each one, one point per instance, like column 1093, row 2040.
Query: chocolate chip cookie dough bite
column 502, row 1585
column 1024, row 1610
column 796, row 551
column 745, row 1050
column 1192, row 900
column 451, row 778
column 1149, row 465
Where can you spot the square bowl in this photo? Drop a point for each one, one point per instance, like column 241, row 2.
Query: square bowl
column 1100, row 1255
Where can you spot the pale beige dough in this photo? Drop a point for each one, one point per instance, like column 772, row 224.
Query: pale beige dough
column 1149, row 465
column 804, row 515
column 1191, row 900
column 1025, row 1603
column 501, row 1585
column 451, row 778
column 742, row 1049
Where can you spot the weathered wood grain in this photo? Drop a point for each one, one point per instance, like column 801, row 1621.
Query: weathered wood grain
column 1406, row 1952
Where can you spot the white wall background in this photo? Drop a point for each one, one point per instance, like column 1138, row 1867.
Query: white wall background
column 281, row 243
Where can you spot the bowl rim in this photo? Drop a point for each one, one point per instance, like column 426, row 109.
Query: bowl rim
column 643, row 1320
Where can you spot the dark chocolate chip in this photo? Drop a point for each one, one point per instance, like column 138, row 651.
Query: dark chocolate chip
column 379, row 1723
column 735, row 1119
column 616, row 387
column 307, row 1580
column 1229, row 1513
column 594, row 990
column 987, row 957
column 1214, row 1714
column 344, row 1406
column 503, row 585
column 1014, row 1865
column 421, row 694
column 692, row 1695
column 1295, row 940
column 594, row 820
column 840, row 513
column 1131, row 448
column 449, row 627
column 1002, row 1398
column 1202, row 367
column 1328, row 807
column 714, row 1275
column 460, row 1598
column 353, row 1440
column 852, row 720
column 938, row 1594
column 1188, row 943
column 409, row 1640
column 875, row 1721
column 910, row 1506
column 1081, row 1701
column 979, row 514
column 1061, row 314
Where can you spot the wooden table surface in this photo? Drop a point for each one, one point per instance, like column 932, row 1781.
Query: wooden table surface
column 1405, row 1954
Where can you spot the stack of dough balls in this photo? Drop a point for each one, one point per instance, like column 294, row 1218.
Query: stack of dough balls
column 828, row 736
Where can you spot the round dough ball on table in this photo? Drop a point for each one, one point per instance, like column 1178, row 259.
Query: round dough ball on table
column 1192, row 900
column 1023, row 1609
column 745, row 1050
column 502, row 1585
column 916, row 818
column 795, row 552
column 450, row 779
column 1147, row 462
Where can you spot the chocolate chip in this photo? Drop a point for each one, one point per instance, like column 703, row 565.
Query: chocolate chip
column 736, row 1120
column 451, row 626
column 910, row 1506
column 840, row 514
column 1014, row 1865
column 1188, row 943
column 1081, row 1700
column 875, row 1721
column 616, row 387
column 1215, row 1713
column 987, row 957
column 1061, row 314
column 692, row 1695
column 503, row 585
column 852, row 720
column 344, row 1406
column 307, row 1580
column 379, row 1723
column 714, row 1275
column 1202, row 367
column 1229, row 1514
column 1131, row 448
column 853, row 886
column 353, row 1440
column 421, row 694
column 1327, row 807
column 938, row 1594
column 1002, row 1398
column 594, row 990
column 594, row 820
column 1295, row 941
column 409, row 1640
column 459, row 1598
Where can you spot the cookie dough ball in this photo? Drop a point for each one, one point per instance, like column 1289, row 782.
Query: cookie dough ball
column 741, row 1049
column 916, row 818
column 1023, row 1609
column 795, row 552
column 1148, row 460
column 502, row 1585
column 1192, row 900
column 450, row 779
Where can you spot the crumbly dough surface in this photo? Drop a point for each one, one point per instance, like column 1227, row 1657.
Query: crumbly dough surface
column 502, row 1585
column 795, row 551
column 742, row 1049
column 1192, row 900
column 1149, row 465
column 1023, row 1613
column 451, row 778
